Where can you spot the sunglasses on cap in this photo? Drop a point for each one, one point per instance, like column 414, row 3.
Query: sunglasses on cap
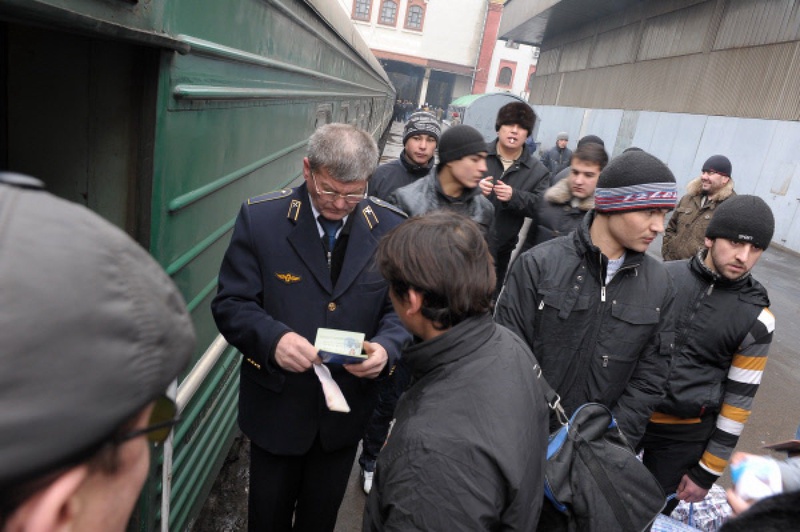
column 163, row 417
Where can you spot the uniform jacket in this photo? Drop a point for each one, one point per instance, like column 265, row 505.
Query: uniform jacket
column 556, row 160
column 723, row 336
column 396, row 174
column 556, row 215
column 467, row 448
column 275, row 279
column 609, row 344
column 686, row 230
column 426, row 195
column 529, row 178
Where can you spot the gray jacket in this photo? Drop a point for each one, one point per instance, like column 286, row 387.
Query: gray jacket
column 426, row 195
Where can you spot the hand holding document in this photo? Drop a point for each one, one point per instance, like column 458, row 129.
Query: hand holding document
column 336, row 347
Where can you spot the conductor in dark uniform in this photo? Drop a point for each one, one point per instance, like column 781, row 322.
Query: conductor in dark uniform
column 299, row 260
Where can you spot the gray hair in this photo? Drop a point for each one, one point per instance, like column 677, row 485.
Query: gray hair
column 346, row 152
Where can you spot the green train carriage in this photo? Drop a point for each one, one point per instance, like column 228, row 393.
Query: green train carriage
column 162, row 116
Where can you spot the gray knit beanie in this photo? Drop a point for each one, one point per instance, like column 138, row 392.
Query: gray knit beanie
column 743, row 218
column 421, row 122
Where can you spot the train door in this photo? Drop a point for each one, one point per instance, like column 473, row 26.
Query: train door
column 78, row 113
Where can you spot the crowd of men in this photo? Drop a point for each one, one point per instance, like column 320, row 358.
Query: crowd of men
column 417, row 256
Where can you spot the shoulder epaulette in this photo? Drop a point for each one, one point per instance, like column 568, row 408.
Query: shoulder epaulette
column 386, row 205
column 269, row 196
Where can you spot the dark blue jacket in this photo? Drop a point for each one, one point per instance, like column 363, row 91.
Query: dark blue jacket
column 275, row 279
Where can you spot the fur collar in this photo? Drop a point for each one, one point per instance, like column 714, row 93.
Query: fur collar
column 695, row 188
column 560, row 193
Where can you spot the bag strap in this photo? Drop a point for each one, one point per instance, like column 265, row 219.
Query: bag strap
column 607, row 487
column 552, row 398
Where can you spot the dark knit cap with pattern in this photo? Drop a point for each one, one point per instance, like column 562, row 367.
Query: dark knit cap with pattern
column 460, row 141
column 743, row 218
column 422, row 122
column 719, row 164
column 635, row 181
column 518, row 113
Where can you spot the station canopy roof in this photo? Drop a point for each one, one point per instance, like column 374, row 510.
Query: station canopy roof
column 534, row 21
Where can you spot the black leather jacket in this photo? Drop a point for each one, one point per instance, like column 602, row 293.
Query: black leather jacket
column 596, row 342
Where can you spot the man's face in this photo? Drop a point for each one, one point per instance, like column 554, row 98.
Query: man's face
column 636, row 230
column 332, row 206
column 109, row 497
column 561, row 143
column 511, row 136
column 468, row 170
column 712, row 182
column 582, row 178
column 419, row 148
column 731, row 259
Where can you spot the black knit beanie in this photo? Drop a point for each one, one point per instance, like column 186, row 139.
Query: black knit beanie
column 516, row 113
column 591, row 138
column 422, row 122
column 743, row 218
column 460, row 141
column 718, row 163
column 635, row 181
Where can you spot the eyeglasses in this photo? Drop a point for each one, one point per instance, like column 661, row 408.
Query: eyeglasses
column 352, row 199
column 162, row 418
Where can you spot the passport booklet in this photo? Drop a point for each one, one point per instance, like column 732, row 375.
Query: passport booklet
column 340, row 347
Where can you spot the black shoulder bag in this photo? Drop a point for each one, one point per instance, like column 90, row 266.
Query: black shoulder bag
column 592, row 475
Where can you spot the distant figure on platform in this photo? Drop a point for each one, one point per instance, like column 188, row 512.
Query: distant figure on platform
column 566, row 203
column 555, row 178
column 687, row 227
column 420, row 137
column 299, row 260
column 93, row 333
column 453, row 185
column 467, row 448
column 514, row 181
column 557, row 158
column 726, row 329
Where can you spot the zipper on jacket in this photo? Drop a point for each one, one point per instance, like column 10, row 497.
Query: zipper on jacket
column 605, row 361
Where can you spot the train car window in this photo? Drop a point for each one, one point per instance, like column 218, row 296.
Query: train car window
column 324, row 114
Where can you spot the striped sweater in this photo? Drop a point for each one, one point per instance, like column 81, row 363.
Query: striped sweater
column 724, row 327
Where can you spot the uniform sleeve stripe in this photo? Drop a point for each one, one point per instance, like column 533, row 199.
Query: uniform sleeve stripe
column 745, row 375
column 749, row 362
column 731, row 426
column 741, row 388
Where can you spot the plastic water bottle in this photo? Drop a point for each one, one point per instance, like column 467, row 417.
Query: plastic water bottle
column 756, row 477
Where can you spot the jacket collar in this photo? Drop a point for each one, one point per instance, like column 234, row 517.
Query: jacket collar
column 695, row 188
column 466, row 194
column 450, row 346
column 560, row 194
column 418, row 170
column 595, row 258
column 698, row 265
column 524, row 157
column 305, row 240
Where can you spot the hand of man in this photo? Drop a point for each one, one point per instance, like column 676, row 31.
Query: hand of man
column 689, row 491
column 373, row 365
column 503, row 191
column 486, row 184
column 295, row 353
